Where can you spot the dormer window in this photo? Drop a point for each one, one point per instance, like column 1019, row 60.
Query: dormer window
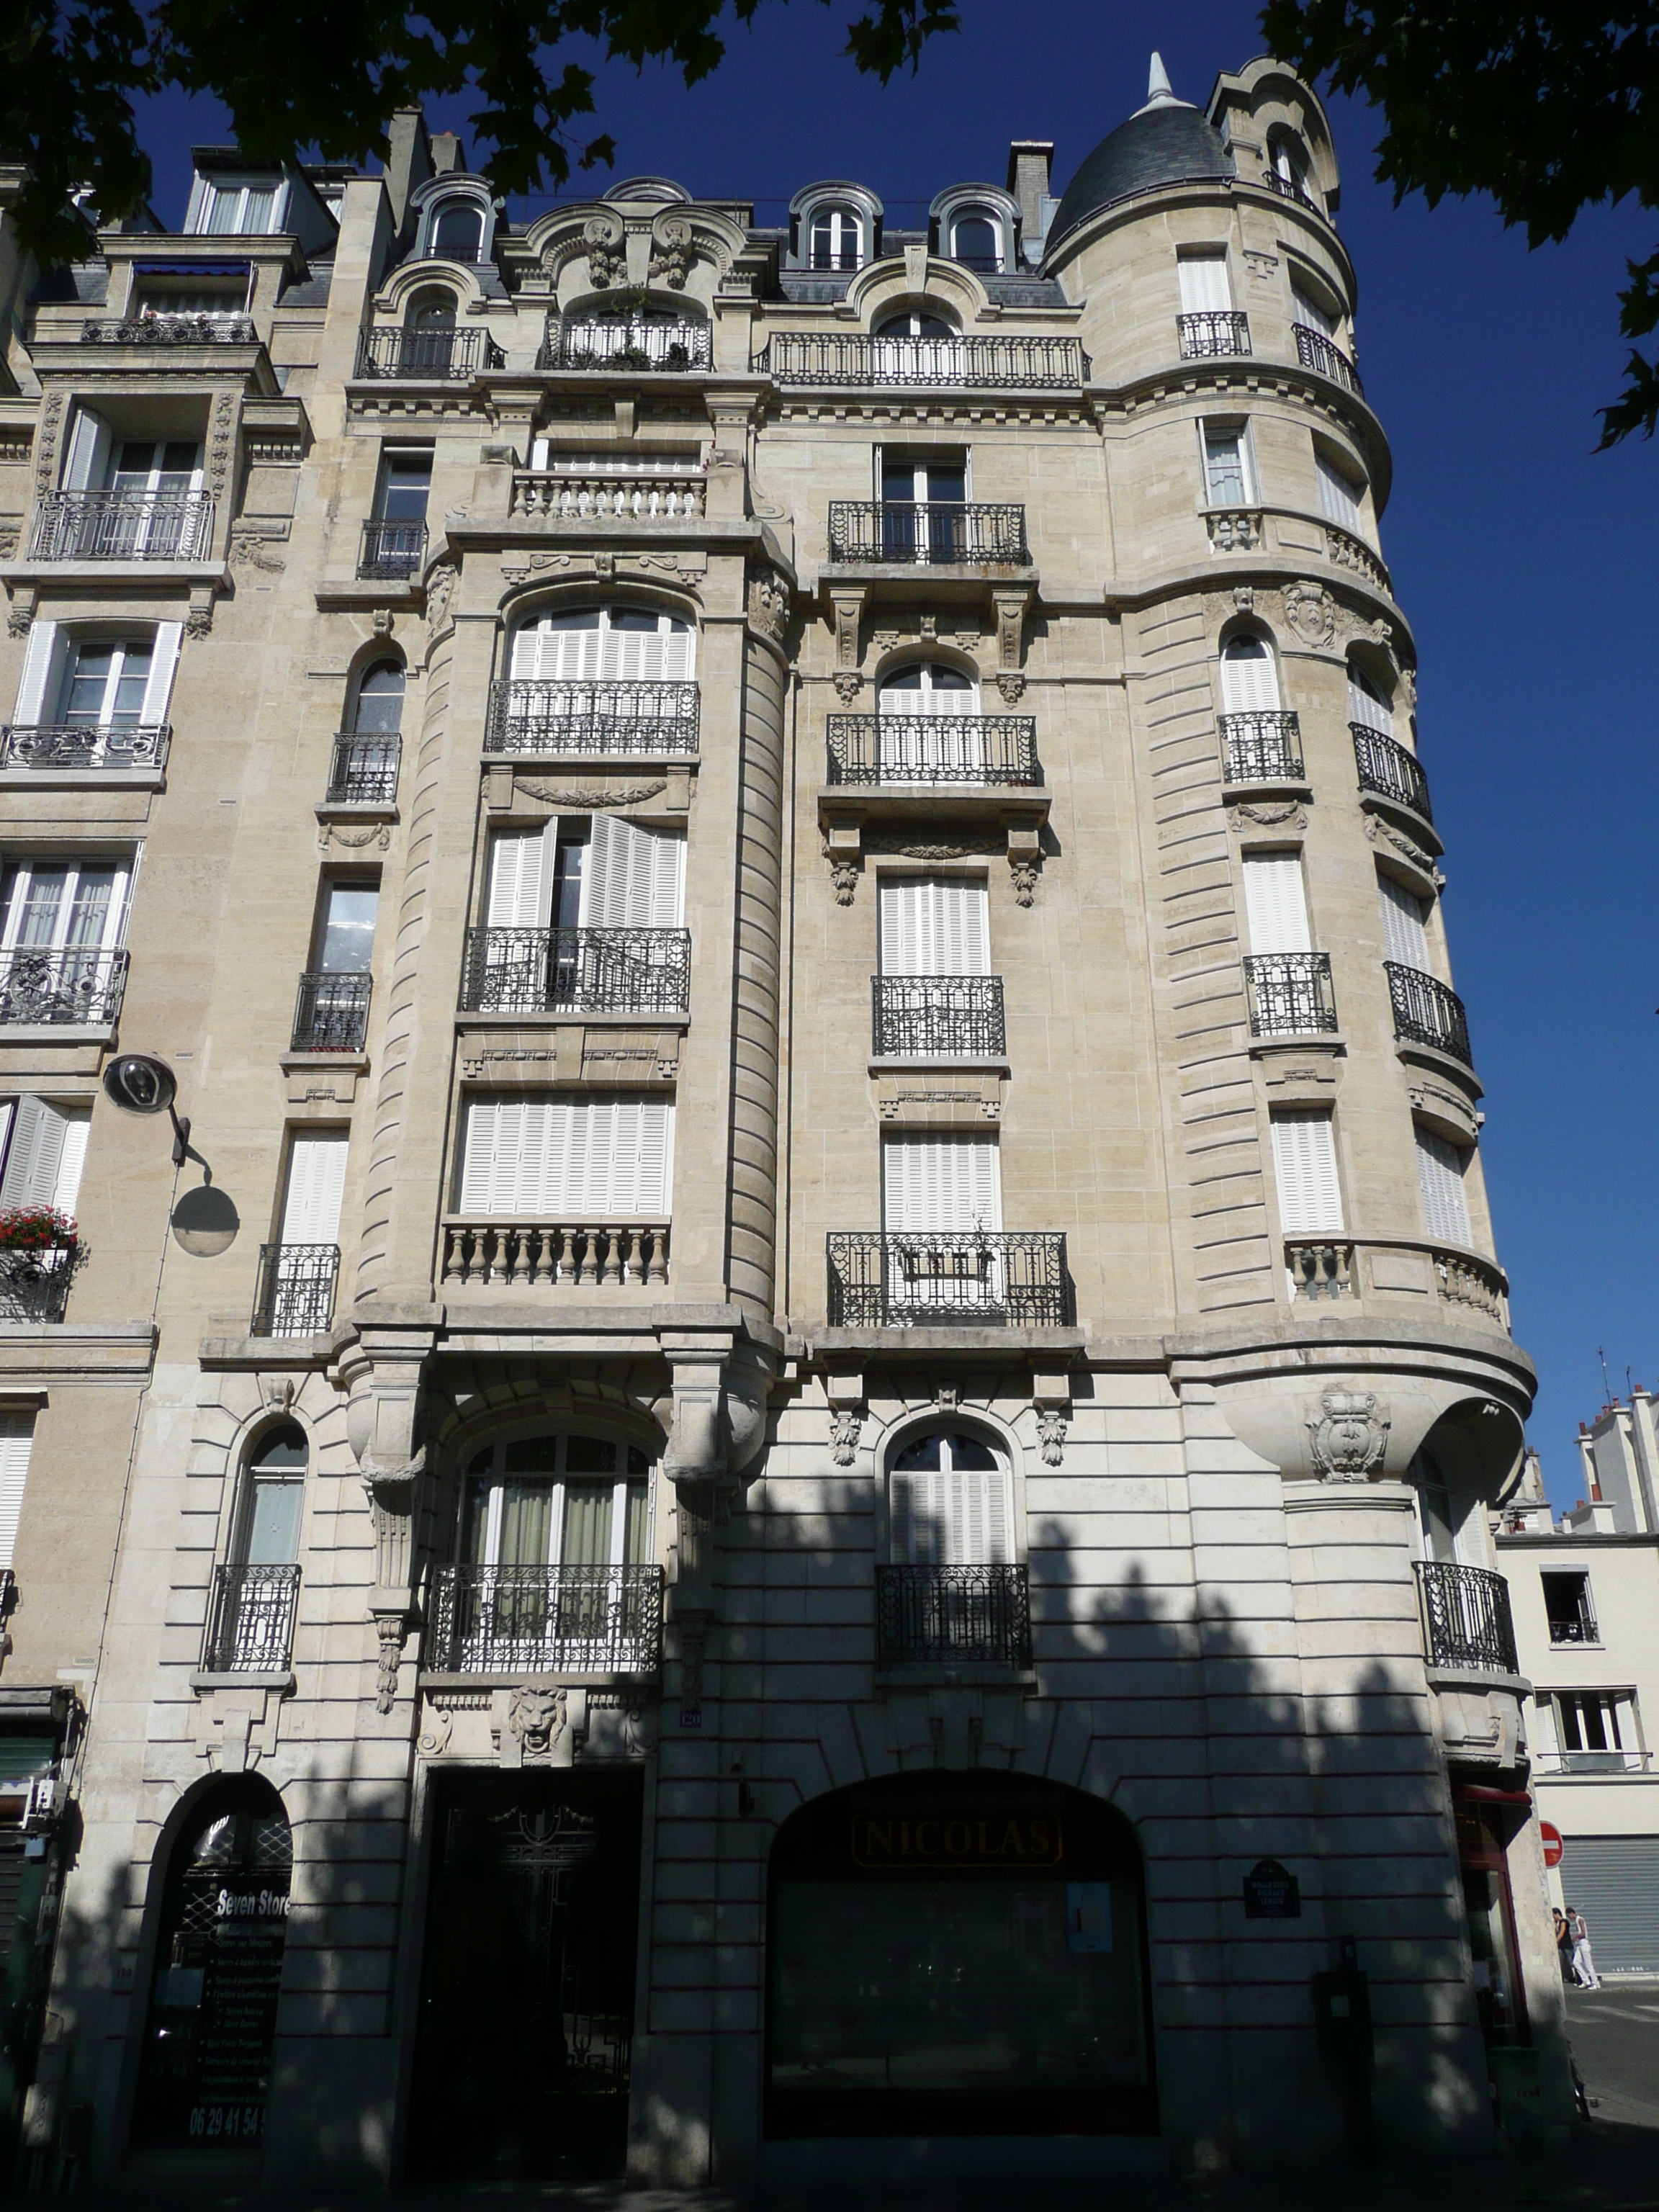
column 836, row 237
column 246, row 207
column 976, row 241
column 458, row 232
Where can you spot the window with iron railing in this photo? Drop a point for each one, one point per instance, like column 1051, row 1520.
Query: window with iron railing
column 1567, row 1606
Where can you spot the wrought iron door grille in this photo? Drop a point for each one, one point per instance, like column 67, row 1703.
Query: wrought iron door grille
column 364, row 770
column 989, row 363
column 547, row 971
column 1290, row 993
column 392, row 549
column 1212, row 330
column 985, row 1279
column 331, row 1014
column 929, row 533
column 86, row 747
column 596, row 344
column 541, row 715
column 427, row 356
column 1426, row 1013
column 1315, row 351
column 250, row 1627
column 1263, row 746
column 989, row 749
column 1466, row 1617
column 979, row 1614
column 123, row 526
column 546, row 1620
column 295, row 1293
column 921, row 1014
column 70, row 989
column 1386, row 768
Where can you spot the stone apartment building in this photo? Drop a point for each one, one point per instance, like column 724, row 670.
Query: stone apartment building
column 787, row 1443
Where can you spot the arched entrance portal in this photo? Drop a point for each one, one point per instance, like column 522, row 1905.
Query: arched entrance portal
column 212, row 2021
column 957, row 1955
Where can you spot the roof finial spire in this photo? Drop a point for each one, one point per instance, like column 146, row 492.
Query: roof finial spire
column 1158, row 87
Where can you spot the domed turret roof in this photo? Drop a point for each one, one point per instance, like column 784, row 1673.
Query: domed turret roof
column 1165, row 142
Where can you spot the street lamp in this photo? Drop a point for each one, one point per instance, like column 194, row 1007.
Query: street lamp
column 205, row 1222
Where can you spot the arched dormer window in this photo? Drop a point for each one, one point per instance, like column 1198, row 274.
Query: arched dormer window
column 950, row 1501
column 1288, row 169
column 1249, row 677
column 835, row 239
column 976, row 241
column 455, row 220
column 457, row 232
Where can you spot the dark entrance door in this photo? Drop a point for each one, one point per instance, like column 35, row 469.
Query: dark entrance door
column 528, row 1991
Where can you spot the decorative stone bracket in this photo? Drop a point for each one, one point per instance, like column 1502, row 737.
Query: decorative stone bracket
column 1012, row 609
column 846, row 611
column 1051, row 1397
column 383, row 1416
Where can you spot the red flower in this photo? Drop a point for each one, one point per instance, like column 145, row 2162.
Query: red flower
column 36, row 1228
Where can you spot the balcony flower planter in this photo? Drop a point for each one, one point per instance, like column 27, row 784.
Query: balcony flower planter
column 41, row 1252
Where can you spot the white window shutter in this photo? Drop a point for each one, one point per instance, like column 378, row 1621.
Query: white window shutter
column 1304, row 1169
column 656, row 1159
column 1309, row 311
column 35, row 1161
column 16, row 1440
column 1440, row 1178
column 1275, row 904
column 1203, row 286
column 164, row 656
column 316, row 1184
column 517, row 861
column 37, row 693
column 941, row 1183
column 86, row 464
column 568, row 1162
column 1249, row 683
column 1337, row 500
column 935, row 927
column 71, row 1160
column 901, row 926
column 1363, row 709
column 478, row 1155
column 1403, row 935
column 635, row 878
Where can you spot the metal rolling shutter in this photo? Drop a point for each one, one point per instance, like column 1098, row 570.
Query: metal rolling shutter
column 1613, row 1880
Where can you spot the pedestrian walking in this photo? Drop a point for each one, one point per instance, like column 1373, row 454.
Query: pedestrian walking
column 1562, row 1946
column 1583, row 1964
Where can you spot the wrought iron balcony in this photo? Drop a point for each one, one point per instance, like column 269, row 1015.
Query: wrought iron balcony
column 972, row 1278
column 331, row 1014
column 576, row 971
column 546, row 1620
column 1263, row 745
column 987, row 363
column 88, row 747
column 924, row 1015
column 599, row 342
column 1426, row 1011
column 364, row 770
column 72, row 990
column 1288, row 189
column 1290, row 993
column 1578, row 1627
column 534, row 714
column 518, row 1255
column 393, row 550
column 971, row 1615
column 931, row 533
column 925, row 748
column 1466, row 1617
column 250, row 1624
column 1212, row 331
column 1386, row 768
column 35, row 1285
column 427, row 357
column 123, row 526
column 167, row 328
column 1316, row 351
column 295, row 1293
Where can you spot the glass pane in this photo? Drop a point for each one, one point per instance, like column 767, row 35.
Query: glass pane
column 947, row 480
column 526, row 1523
column 475, row 1518
column 568, row 861
column 970, row 1452
column 128, row 704
column 976, row 242
column 459, row 233
column 406, row 487
column 637, row 1461
column 587, row 1525
column 348, row 930
column 89, row 915
column 898, row 481
column 41, row 894
column 903, row 679
column 533, row 1455
column 380, row 700
column 923, row 1453
column 273, row 1533
column 260, row 209
column 1226, row 470
column 282, row 1447
column 223, row 210
column 89, row 683
column 178, row 466
column 590, row 1455
column 639, row 1516
column 132, row 472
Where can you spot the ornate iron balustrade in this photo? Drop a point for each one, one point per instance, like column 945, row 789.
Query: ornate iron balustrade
column 596, row 344
column 331, row 1014
column 1426, row 1011
column 72, row 990
column 538, row 1254
column 1290, row 993
column 123, row 526
column 888, row 749
column 926, row 1014
column 1316, row 351
column 1288, row 189
column 84, row 746
column 988, row 1279
column 1212, row 331
column 1263, row 745
column 164, row 328
column 546, row 1620
column 934, row 1615
column 536, row 714
column 1386, row 768
column 1466, row 1617
column 571, row 971
column 295, row 1293
column 392, row 549
column 250, row 1624
column 565, row 495
column 1581, row 1627
column 364, row 770
column 988, row 363
column 429, row 356
column 932, row 533
column 35, row 1285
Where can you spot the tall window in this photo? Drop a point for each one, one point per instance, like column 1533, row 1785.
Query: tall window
column 935, row 925
column 1404, row 931
column 1249, row 677
column 72, row 907
column 976, row 241
column 1366, row 704
column 241, row 206
column 623, row 644
column 1229, row 480
column 921, row 497
column 835, row 239
column 1568, row 1606
column 1439, row 1516
column 429, row 340
column 1290, row 164
column 1304, row 1172
column 950, row 1502
column 378, row 709
column 561, row 1501
column 316, row 1184
column 106, row 687
column 941, row 1199
column 1340, row 495
column 915, row 347
column 16, row 1443
column 1308, row 310
column 267, row 1527
column 1202, row 275
column 345, row 929
column 929, row 723
column 405, row 486
column 1440, row 1171
column 457, row 233
column 1275, row 903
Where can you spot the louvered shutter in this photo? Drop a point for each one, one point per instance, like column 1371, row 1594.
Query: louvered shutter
column 635, row 878
column 1305, row 1170
column 602, row 1158
column 1362, row 707
column 1249, row 682
column 941, row 1183
column 1274, row 904
column 1310, row 311
column 39, row 692
column 164, row 656
column 520, row 879
column 1440, row 1178
column 86, row 464
column 35, row 1161
column 316, row 1183
column 1403, row 933
column 1203, row 286
column 1337, row 500
column 935, row 927
column 16, row 1440
column 976, row 1516
column 66, row 1185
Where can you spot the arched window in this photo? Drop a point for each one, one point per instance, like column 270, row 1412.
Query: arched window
column 378, row 709
column 255, row 1592
column 1249, row 678
column 1366, row 704
column 457, row 233
column 267, row 1533
column 1290, row 167
column 950, row 1502
column 929, row 728
column 555, row 1501
column 835, row 239
column 916, row 323
column 915, row 347
column 976, row 241
column 206, row 2072
column 429, row 348
column 632, row 645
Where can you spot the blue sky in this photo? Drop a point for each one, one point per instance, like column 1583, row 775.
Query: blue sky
column 1522, row 559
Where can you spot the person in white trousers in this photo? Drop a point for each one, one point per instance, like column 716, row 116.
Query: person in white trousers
column 1583, row 1964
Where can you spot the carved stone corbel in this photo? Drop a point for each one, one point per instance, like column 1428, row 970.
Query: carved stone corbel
column 384, row 1412
column 1013, row 608
column 605, row 239
column 847, row 610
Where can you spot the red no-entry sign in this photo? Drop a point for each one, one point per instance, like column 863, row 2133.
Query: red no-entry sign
column 1551, row 1838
